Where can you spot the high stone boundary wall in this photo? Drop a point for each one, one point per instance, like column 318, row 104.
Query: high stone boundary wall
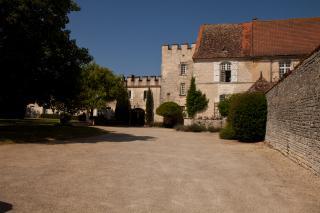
column 293, row 124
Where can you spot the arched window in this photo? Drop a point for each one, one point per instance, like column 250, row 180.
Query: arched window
column 225, row 72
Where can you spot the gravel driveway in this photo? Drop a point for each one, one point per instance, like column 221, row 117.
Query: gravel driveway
column 153, row 170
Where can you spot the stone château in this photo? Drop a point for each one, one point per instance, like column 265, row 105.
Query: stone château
column 227, row 59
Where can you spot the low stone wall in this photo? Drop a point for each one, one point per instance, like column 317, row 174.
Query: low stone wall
column 293, row 124
column 216, row 123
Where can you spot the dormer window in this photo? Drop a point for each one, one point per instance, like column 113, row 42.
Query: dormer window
column 183, row 69
column 225, row 72
column 284, row 67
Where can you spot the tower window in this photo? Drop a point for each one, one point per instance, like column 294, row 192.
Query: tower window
column 183, row 89
column 183, row 69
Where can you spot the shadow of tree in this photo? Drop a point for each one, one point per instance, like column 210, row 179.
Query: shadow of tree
column 49, row 132
column 115, row 137
column 5, row 207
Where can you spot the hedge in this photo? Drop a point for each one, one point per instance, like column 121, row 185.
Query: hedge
column 247, row 116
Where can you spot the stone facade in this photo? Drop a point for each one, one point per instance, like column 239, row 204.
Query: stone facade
column 293, row 125
column 244, row 73
column 173, row 57
column 137, row 88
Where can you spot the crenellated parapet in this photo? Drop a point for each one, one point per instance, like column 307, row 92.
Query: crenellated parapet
column 143, row 81
column 178, row 47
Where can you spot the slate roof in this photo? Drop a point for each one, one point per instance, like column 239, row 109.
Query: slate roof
column 259, row 38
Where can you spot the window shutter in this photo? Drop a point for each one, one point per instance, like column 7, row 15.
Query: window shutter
column 234, row 71
column 216, row 72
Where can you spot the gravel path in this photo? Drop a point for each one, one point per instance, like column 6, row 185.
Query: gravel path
column 153, row 170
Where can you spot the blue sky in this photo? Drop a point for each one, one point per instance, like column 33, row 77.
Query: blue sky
column 126, row 36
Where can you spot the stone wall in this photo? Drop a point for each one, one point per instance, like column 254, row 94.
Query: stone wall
column 138, row 85
column 293, row 125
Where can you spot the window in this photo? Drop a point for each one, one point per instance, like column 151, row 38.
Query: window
column 225, row 72
column 222, row 97
column 183, row 69
column 284, row 67
column 145, row 95
column 182, row 89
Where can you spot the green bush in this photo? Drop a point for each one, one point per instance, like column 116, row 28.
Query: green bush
column 227, row 133
column 196, row 101
column 247, row 117
column 224, row 105
column 172, row 114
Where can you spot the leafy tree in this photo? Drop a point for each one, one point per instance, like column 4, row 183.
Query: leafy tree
column 171, row 112
column 196, row 101
column 39, row 59
column 149, row 107
column 99, row 85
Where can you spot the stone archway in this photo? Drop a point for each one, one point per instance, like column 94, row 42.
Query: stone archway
column 137, row 117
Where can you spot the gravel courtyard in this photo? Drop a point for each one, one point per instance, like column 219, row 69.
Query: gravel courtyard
column 153, row 170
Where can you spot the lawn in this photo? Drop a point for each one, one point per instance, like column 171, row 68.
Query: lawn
column 42, row 131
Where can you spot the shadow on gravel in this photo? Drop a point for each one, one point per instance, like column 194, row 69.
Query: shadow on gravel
column 110, row 137
column 118, row 137
column 5, row 207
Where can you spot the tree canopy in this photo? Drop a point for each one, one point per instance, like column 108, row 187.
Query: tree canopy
column 98, row 85
column 40, row 61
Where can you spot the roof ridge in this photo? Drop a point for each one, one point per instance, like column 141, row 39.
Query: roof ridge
column 267, row 20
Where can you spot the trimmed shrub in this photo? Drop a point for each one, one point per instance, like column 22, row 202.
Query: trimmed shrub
column 172, row 114
column 247, row 116
column 227, row 133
